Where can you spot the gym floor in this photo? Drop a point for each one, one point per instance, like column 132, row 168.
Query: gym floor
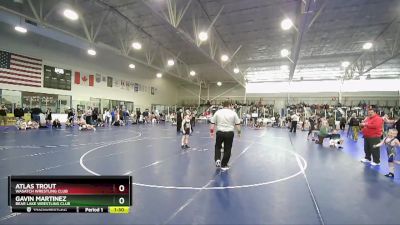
column 276, row 177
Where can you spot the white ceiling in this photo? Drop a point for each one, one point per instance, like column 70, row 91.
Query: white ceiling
column 332, row 31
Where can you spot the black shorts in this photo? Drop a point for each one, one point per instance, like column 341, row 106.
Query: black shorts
column 186, row 131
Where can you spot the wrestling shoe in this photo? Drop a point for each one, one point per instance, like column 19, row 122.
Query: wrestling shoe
column 364, row 160
column 218, row 163
column 390, row 175
column 225, row 168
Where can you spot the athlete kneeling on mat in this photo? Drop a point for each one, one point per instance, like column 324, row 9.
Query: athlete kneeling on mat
column 56, row 123
column 84, row 126
column 335, row 140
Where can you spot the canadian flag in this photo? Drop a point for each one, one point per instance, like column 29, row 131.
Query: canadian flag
column 84, row 80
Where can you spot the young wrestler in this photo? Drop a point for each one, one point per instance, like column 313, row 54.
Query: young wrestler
column 56, row 123
column 335, row 140
column 84, row 126
column 186, row 130
column 390, row 142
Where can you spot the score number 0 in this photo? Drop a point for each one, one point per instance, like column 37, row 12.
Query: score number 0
column 121, row 200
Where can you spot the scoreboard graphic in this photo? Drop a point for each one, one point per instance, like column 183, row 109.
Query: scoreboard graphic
column 56, row 78
column 70, row 194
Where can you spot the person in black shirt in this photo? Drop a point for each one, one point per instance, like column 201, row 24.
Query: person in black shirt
column 95, row 115
column 19, row 113
column 342, row 123
column 312, row 126
column 3, row 115
column 354, row 123
column 146, row 116
column 35, row 114
column 179, row 118
column 56, row 123
column 71, row 117
column 48, row 117
column 26, row 109
column 138, row 113
column 193, row 120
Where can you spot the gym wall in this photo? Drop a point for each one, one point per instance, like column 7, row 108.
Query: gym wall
column 105, row 64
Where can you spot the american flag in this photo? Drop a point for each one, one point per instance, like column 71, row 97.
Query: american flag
column 20, row 70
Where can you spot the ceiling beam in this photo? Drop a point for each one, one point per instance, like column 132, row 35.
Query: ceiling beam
column 84, row 40
column 100, row 25
column 34, row 10
column 317, row 14
column 219, row 37
column 141, row 30
column 389, row 46
column 303, row 17
column 186, row 37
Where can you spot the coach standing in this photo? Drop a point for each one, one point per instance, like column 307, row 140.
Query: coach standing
column 225, row 119
column 372, row 131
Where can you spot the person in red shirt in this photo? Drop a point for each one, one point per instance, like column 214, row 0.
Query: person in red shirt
column 372, row 131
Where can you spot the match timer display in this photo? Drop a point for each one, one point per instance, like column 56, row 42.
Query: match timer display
column 77, row 194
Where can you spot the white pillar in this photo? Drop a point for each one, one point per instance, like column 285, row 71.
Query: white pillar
column 199, row 95
column 208, row 92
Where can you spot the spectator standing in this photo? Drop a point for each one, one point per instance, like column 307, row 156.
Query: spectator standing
column 354, row 124
column 179, row 118
column 342, row 123
column 3, row 115
column 36, row 111
column 18, row 113
column 372, row 131
column 89, row 115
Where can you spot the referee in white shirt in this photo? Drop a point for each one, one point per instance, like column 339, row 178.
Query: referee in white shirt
column 295, row 120
column 225, row 119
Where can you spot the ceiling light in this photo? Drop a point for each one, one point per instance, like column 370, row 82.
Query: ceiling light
column 236, row 70
column 132, row 66
column 224, row 58
column 286, row 24
column 284, row 67
column 71, row 14
column 367, row 46
column 203, row 36
column 284, row 52
column 171, row 62
column 91, row 52
column 136, row 45
column 20, row 29
column 159, row 75
column 345, row 64
column 219, row 83
column 192, row 73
